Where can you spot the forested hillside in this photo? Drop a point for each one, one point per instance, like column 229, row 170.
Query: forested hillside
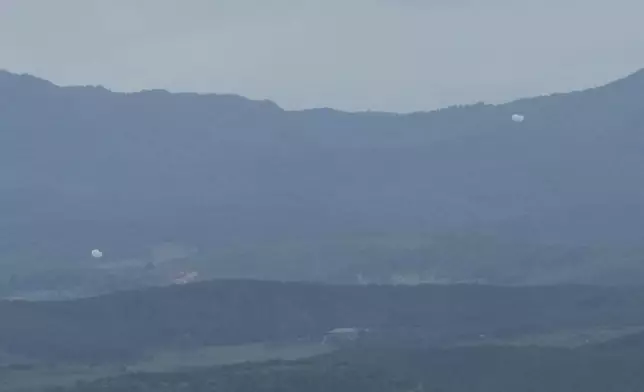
column 254, row 191
column 129, row 325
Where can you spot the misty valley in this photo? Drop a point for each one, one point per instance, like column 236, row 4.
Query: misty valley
column 159, row 241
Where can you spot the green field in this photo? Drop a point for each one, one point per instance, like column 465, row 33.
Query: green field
column 35, row 377
column 561, row 339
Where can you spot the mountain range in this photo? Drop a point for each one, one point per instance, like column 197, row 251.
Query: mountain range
column 256, row 191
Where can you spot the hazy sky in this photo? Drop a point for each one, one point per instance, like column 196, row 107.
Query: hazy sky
column 398, row 55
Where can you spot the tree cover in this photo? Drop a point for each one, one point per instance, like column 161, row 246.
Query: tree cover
column 127, row 325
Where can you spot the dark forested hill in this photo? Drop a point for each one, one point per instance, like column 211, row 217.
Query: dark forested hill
column 261, row 192
column 129, row 324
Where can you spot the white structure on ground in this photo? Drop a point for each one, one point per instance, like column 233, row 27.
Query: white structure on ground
column 186, row 277
column 342, row 335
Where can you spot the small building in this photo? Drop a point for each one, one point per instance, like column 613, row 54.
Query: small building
column 186, row 277
column 342, row 336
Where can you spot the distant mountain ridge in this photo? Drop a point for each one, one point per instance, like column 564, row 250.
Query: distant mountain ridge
column 83, row 167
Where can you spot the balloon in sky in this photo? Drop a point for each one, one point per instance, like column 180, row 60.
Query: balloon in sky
column 518, row 117
column 97, row 254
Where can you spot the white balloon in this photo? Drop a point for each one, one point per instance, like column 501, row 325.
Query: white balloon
column 97, row 254
column 518, row 117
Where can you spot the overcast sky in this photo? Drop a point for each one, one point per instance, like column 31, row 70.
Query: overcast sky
column 396, row 55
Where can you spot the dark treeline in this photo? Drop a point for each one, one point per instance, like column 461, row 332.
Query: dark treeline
column 127, row 324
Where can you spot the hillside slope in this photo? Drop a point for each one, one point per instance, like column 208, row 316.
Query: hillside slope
column 83, row 167
column 129, row 325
